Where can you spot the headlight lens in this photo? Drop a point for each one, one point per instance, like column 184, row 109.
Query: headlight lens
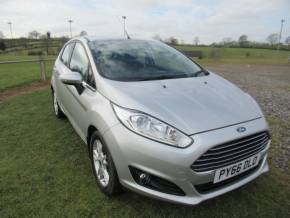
column 152, row 128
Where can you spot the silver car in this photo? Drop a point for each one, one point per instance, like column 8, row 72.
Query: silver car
column 156, row 122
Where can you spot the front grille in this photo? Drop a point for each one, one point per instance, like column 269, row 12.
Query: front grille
column 231, row 152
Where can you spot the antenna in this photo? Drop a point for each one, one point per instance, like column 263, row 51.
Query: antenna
column 124, row 26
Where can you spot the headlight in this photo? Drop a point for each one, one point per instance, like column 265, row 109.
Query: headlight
column 152, row 128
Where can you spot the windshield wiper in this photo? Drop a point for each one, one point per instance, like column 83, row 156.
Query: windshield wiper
column 161, row 77
column 200, row 72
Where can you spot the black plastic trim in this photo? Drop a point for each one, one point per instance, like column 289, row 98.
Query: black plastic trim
column 156, row 183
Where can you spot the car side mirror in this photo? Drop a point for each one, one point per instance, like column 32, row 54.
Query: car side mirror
column 72, row 78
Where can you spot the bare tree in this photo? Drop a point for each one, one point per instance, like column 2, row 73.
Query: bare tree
column 34, row 34
column 157, row 37
column 172, row 40
column 273, row 39
column 196, row 40
column 1, row 35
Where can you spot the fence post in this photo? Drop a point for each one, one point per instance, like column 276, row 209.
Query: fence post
column 42, row 69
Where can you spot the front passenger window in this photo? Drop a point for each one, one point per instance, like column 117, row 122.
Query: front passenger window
column 66, row 54
column 79, row 60
column 80, row 63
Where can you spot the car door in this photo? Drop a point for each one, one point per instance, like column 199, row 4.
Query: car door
column 62, row 67
column 80, row 99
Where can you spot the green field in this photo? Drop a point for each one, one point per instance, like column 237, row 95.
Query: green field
column 45, row 172
column 15, row 75
column 239, row 55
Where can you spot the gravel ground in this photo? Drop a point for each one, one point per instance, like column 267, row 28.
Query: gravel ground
column 270, row 86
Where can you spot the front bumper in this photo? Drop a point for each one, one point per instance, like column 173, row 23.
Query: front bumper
column 173, row 164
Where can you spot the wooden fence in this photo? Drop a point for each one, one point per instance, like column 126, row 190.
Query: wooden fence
column 41, row 61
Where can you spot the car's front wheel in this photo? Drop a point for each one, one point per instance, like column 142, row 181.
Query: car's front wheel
column 103, row 166
column 57, row 110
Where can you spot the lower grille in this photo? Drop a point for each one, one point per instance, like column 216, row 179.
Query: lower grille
column 231, row 152
column 209, row 187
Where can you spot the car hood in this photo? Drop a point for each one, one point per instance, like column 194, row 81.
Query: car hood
column 191, row 105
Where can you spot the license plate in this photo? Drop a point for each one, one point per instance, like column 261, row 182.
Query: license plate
column 236, row 169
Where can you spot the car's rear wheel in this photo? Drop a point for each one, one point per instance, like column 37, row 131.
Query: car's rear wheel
column 103, row 166
column 57, row 110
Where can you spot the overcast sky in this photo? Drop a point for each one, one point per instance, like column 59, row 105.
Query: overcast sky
column 210, row 20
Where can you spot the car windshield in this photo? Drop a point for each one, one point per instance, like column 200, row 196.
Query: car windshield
column 139, row 60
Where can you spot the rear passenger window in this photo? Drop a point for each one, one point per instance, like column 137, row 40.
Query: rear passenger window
column 66, row 54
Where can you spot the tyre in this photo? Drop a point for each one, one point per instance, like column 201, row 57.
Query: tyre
column 103, row 166
column 57, row 110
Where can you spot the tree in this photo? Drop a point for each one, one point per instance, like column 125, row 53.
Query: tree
column 172, row 41
column 196, row 40
column 2, row 45
column 287, row 40
column 34, row 34
column 273, row 39
column 48, row 35
column 243, row 40
column 157, row 37
column 83, row 33
column 2, row 35
column 227, row 40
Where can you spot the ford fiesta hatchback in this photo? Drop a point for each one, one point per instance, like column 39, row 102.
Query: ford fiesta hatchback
column 156, row 122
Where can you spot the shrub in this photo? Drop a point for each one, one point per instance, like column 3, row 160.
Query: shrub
column 248, row 54
column 2, row 46
column 201, row 55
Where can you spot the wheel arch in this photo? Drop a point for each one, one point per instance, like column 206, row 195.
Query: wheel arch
column 90, row 131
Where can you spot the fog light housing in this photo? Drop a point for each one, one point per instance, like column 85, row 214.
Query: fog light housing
column 144, row 178
column 156, row 183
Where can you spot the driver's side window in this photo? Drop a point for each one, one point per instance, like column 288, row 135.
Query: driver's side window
column 80, row 63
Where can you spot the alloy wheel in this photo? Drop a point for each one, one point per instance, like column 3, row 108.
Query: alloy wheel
column 100, row 163
column 55, row 104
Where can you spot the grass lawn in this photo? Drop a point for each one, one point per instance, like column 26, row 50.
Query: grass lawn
column 45, row 172
column 14, row 75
